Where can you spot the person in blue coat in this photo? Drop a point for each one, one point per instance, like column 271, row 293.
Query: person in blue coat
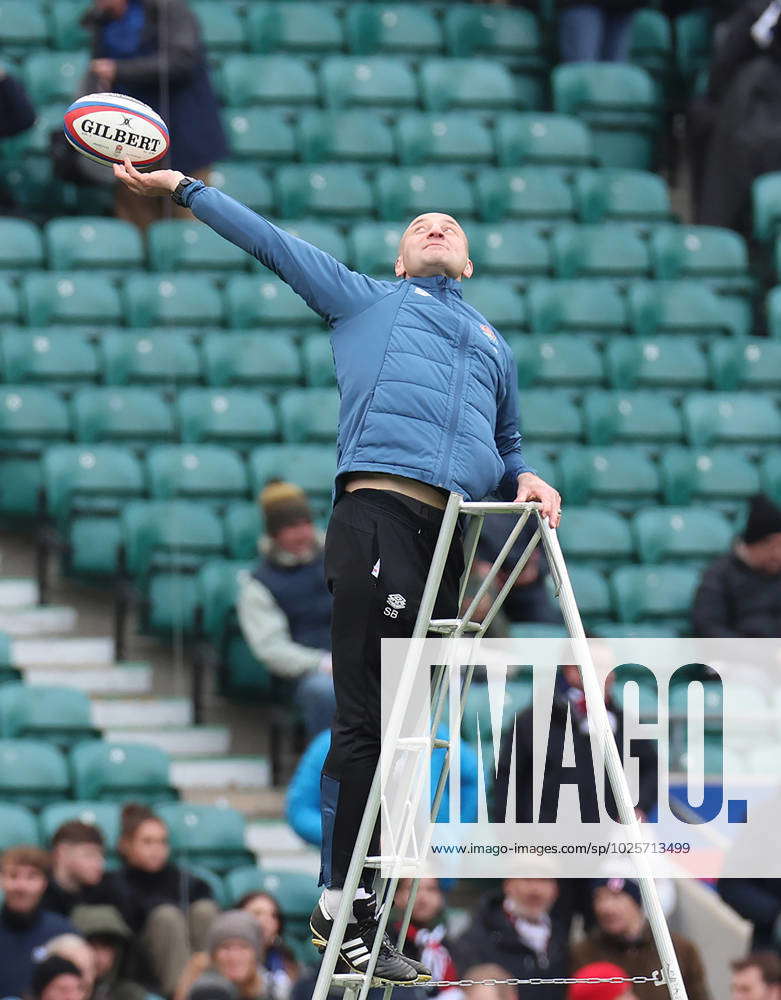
column 428, row 406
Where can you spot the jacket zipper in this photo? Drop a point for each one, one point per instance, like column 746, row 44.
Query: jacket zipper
column 454, row 408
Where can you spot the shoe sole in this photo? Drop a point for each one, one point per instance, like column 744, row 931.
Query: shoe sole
column 320, row 943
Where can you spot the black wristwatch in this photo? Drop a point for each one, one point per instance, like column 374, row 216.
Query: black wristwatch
column 178, row 191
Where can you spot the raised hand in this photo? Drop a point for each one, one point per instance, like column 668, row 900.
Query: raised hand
column 152, row 185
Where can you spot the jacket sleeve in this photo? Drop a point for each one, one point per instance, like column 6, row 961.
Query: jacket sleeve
column 711, row 612
column 508, row 436
column 178, row 48
column 302, row 808
column 16, row 112
column 267, row 633
column 327, row 286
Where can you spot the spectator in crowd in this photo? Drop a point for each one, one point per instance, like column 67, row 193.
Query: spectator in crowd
column 756, row 977
column 426, row 939
column 595, row 32
column 235, row 953
column 56, row 978
column 152, row 50
column 78, row 872
column 740, row 593
column 757, row 900
column 109, row 938
column 623, row 936
column 171, row 910
column 600, row 991
column 489, row 991
column 24, row 923
column 16, row 115
column 518, row 930
column 284, row 606
column 75, row 949
column 281, row 965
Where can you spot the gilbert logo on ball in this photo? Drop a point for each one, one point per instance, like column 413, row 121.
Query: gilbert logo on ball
column 109, row 127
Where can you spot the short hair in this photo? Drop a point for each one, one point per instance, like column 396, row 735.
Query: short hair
column 768, row 963
column 77, row 832
column 134, row 814
column 492, row 970
column 26, row 854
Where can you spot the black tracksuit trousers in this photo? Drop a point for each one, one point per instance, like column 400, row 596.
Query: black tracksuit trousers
column 378, row 552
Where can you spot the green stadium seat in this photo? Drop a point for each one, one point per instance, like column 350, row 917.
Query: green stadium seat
column 664, row 362
column 335, row 189
column 772, row 305
column 121, row 413
column 318, row 361
column 17, row 826
column 33, row 773
column 476, row 720
column 499, row 301
column 382, row 81
column 269, row 79
column 21, row 246
column 260, row 134
column 636, row 196
column 449, row 137
column 529, row 193
column 374, row 247
column 244, row 181
column 596, row 536
column 222, row 29
column 150, row 357
column 558, row 360
column 191, row 246
column 591, row 591
column 195, row 472
column 619, row 103
column 539, row 458
column 177, row 300
column 310, row 466
column 542, row 139
column 53, row 76
column 243, row 524
column 94, row 243
column 331, row 135
column 264, row 300
column 719, row 257
column 680, row 534
column 295, row 888
column 22, row 26
column 59, row 715
column 602, row 251
column 512, row 249
column 731, row 418
column 745, row 363
column 69, row 297
column 716, row 476
column 32, row 148
column 293, row 27
column 651, row 44
column 404, row 192
column 309, row 415
column 467, row 83
column 399, row 27
column 67, row 32
column 766, row 202
column 653, row 592
column 85, row 489
column 509, row 33
column 324, row 235
column 579, row 306
column 117, row 771
column 549, row 415
column 103, row 815
column 64, row 361
column 31, row 419
column 233, row 417
column 257, row 359
column 770, row 476
column 617, row 474
column 693, row 34
column 212, row 836
column 677, row 307
column 632, row 415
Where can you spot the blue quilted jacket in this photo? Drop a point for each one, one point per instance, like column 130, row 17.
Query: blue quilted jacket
column 428, row 388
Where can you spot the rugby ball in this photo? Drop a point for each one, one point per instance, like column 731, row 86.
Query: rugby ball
column 109, row 127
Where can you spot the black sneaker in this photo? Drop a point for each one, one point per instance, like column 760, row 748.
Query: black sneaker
column 392, row 967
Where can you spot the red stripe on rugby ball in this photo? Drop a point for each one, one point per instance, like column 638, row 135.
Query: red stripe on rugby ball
column 72, row 116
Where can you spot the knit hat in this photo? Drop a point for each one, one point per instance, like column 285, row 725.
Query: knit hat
column 46, row 972
column 598, row 991
column 212, row 986
column 627, row 885
column 283, row 504
column 235, row 924
column 764, row 518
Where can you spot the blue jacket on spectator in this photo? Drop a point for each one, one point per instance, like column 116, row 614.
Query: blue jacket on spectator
column 20, row 936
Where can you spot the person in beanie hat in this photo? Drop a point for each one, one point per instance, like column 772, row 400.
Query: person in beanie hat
column 235, row 956
column 600, row 991
column 622, row 936
column 740, row 593
column 284, row 606
column 56, row 978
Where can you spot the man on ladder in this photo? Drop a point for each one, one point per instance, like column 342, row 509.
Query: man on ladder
column 428, row 407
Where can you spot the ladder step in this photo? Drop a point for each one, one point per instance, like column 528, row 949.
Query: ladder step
column 420, row 742
column 377, row 861
column 446, row 626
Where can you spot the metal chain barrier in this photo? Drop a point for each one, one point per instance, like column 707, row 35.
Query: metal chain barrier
column 656, row 978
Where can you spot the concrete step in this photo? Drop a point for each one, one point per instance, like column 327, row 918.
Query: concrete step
column 134, row 713
column 62, row 653
column 227, row 773
column 182, row 742
column 37, row 620
column 18, row 593
column 126, row 678
column 257, row 803
column 305, row 861
column 274, row 838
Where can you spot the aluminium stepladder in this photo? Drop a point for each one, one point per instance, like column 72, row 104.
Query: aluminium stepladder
column 357, row 985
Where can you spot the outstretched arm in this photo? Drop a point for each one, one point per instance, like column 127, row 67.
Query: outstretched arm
column 327, row 286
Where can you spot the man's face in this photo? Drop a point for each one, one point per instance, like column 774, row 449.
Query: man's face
column 766, row 554
column 104, row 954
column 297, row 539
column 616, row 912
column 148, row 848
column 84, row 863
column 433, row 244
column 428, row 902
column 65, row 987
column 748, row 984
column 533, row 897
column 23, row 886
column 236, row 960
column 112, row 8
